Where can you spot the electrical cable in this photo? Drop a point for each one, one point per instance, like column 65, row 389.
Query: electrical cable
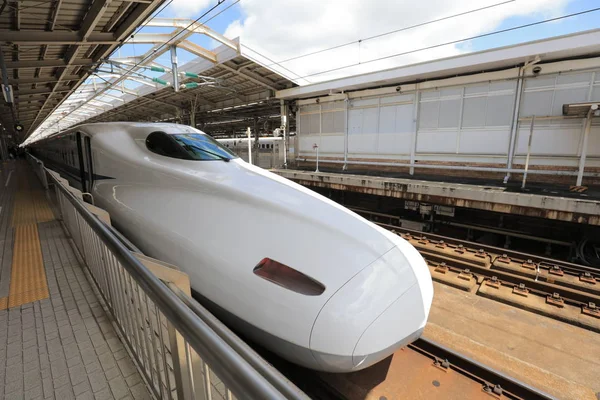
column 392, row 32
column 274, row 62
column 455, row 41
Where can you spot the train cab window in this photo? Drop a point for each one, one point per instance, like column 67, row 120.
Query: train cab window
column 162, row 144
column 187, row 146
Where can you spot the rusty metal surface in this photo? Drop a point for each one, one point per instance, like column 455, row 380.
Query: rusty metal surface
column 458, row 195
column 558, row 358
column 405, row 375
column 563, row 291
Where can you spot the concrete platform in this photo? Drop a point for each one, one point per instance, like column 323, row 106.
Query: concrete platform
column 56, row 340
column 553, row 356
column 489, row 198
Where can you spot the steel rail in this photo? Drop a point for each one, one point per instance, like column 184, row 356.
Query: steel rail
column 575, row 297
column 566, row 266
column 494, row 381
column 235, row 371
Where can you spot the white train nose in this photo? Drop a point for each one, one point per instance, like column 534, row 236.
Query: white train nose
column 373, row 314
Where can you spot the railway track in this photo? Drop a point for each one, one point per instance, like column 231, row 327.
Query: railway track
column 557, row 289
column 422, row 370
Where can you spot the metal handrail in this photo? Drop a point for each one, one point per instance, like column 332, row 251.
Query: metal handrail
column 235, row 371
column 257, row 362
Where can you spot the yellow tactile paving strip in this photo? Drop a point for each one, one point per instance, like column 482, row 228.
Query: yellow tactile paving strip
column 31, row 207
column 28, row 277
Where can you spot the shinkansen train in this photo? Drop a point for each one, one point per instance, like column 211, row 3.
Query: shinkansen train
column 331, row 292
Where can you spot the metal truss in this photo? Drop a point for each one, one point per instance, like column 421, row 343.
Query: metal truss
column 107, row 87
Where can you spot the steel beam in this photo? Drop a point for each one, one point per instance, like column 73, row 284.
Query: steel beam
column 17, row 28
column 54, row 10
column 199, row 51
column 135, row 18
column 16, row 16
column 52, row 16
column 194, row 27
column 251, row 76
column 46, row 63
column 117, row 16
column 150, row 38
column 56, row 38
column 92, row 18
column 42, row 90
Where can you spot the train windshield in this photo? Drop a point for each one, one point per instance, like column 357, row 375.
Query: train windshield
column 188, row 146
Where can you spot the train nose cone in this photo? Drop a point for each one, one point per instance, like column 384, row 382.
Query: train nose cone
column 382, row 308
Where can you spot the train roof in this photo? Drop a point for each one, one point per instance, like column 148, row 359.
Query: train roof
column 132, row 128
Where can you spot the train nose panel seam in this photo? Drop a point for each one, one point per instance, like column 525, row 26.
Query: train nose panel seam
column 379, row 316
column 339, row 289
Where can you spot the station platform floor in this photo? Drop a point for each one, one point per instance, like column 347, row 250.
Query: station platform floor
column 56, row 339
column 550, row 204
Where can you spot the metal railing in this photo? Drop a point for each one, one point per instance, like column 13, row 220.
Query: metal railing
column 182, row 351
column 38, row 168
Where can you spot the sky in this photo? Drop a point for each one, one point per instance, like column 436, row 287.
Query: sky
column 283, row 29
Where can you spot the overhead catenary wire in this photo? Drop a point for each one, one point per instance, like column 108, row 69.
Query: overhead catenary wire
column 359, row 41
column 454, row 42
column 274, row 62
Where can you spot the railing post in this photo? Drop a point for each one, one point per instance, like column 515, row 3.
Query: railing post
column 82, row 249
column 60, row 206
column 187, row 368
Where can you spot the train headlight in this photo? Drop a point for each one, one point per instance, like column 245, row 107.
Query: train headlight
column 288, row 278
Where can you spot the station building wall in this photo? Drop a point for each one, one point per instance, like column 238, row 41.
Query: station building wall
column 461, row 122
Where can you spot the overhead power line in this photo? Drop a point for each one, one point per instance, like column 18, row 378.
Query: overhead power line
column 454, row 42
column 391, row 32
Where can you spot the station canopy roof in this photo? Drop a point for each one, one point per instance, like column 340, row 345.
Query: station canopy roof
column 49, row 48
column 226, row 88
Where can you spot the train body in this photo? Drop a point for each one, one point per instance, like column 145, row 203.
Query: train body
column 331, row 291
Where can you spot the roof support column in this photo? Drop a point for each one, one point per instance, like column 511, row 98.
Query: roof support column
column 174, row 68
column 346, row 117
column 586, row 134
column 256, row 144
column 285, row 110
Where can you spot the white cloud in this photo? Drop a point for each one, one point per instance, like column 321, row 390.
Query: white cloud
column 188, row 8
column 288, row 28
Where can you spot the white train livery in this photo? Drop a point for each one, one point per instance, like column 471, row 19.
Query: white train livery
column 331, row 292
